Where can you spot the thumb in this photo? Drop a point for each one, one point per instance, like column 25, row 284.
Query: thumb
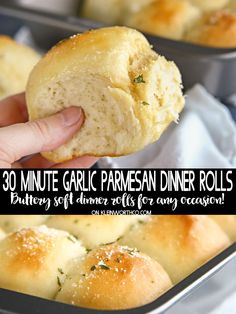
column 19, row 140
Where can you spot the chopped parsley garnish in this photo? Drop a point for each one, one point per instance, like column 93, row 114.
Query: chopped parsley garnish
column 58, row 281
column 145, row 103
column 93, row 268
column 60, row 271
column 88, row 250
column 118, row 259
column 72, row 238
column 132, row 251
column 139, row 79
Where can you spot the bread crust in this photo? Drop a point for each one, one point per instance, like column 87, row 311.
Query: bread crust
column 114, row 277
column 181, row 244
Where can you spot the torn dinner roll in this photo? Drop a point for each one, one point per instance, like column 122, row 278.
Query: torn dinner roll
column 129, row 94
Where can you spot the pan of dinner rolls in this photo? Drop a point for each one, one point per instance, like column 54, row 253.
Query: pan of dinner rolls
column 109, row 262
column 199, row 36
column 205, row 31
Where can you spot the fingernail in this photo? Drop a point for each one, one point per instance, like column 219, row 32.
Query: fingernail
column 72, row 115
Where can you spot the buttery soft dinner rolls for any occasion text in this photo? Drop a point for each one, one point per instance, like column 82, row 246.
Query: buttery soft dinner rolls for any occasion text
column 31, row 259
column 16, row 62
column 128, row 92
column 94, row 230
column 114, row 277
column 181, row 244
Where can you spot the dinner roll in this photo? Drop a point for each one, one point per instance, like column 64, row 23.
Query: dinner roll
column 107, row 11
column 16, row 62
column 114, row 277
column 2, row 234
column 129, row 94
column 112, row 11
column 94, row 230
column 181, row 244
column 11, row 223
column 31, row 260
column 207, row 5
column 231, row 7
column 227, row 223
column 215, row 29
column 167, row 18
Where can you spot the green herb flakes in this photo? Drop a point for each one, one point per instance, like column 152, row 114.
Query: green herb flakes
column 72, row 238
column 60, row 271
column 139, row 79
column 59, row 281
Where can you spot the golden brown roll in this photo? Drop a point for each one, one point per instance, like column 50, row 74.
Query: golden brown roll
column 11, row 223
column 94, row 230
column 112, row 11
column 208, row 5
column 107, row 11
column 167, row 18
column 114, row 277
column 231, row 7
column 2, row 234
column 129, row 94
column 32, row 260
column 215, row 29
column 181, row 244
column 16, row 62
column 227, row 223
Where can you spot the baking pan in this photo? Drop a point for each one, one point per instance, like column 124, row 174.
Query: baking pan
column 17, row 303
column 213, row 68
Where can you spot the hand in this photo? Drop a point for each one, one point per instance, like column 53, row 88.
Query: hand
column 19, row 138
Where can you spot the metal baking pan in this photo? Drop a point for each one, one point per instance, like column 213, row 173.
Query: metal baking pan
column 213, row 68
column 17, row 303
